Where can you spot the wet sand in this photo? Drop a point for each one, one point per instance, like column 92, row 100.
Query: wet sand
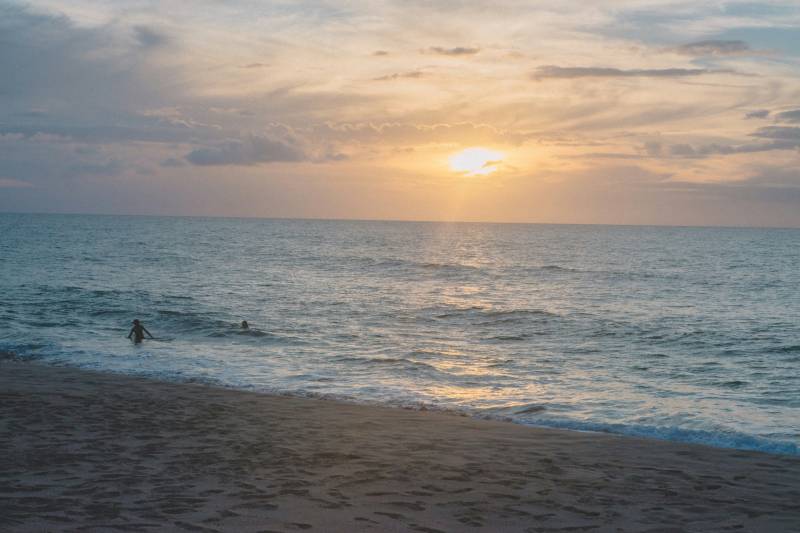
column 83, row 451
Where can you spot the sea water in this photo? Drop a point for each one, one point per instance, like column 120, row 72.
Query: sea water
column 688, row 334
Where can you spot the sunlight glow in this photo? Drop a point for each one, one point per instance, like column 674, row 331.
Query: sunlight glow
column 476, row 161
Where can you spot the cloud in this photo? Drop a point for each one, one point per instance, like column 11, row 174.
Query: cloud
column 653, row 148
column 772, row 185
column 150, row 38
column 683, row 150
column 337, row 156
column 706, row 150
column 792, row 117
column 113, row 167
column 714, row 48
column 8, row 183
column 83, row 76
column 774, row 176
column 404, row 134
column 759, row 113
column 34, row 112
column 252, row 150
column 118, row 89
column 556, row 72
column 172, row 162
column 399, row 75
column 457, row 51
column 779, row 133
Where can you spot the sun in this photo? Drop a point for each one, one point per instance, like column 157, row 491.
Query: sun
column 476, row 161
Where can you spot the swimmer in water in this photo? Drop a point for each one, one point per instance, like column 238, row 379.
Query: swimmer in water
column 245, row 325
column 138, row 331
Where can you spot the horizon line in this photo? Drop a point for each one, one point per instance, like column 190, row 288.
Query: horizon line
column 410, row 221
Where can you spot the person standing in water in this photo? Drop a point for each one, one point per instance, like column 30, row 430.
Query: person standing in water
column 138, row 331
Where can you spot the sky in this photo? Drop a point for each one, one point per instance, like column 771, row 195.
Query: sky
column 612, row 112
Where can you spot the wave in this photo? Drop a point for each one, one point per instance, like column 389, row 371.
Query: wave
column 231, row 330
column 509, row 338
column 21, row 351
column 717, row 439
column 517, row 314
column 8, row 354
column 436, row 353
column 734, row 384
column 488, row 316
column 615, row 274
column 558, row 268
column 530, row 409
column 793, row 348
column 447, row 266
column 167, row 316
column 408, row 364
column 208, row 326
column 405, row 267
column 529, row 415
column 121, row 304
column 720, row 439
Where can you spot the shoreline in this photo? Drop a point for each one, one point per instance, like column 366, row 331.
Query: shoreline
column 753, row 443
column 96, row 450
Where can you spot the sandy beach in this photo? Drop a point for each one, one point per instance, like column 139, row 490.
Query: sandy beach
column 84, row 451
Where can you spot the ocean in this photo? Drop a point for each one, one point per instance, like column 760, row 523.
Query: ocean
column 686, row 334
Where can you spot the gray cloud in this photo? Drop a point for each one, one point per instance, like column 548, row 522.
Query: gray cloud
column 774, row 186
column 172, row 162
column 682, row 150
column 694, row 151
column 69, row 111
column 776, row 177
column 714, row 48
column 45, row 160
column 759, row 113
column 60, row 84
column 457, row 51
column 249, row 151
column 556, row 72
column 779, row 133
column 653, row 148
column 35, row 112
column 404, row 134
column 792, row 117
column 112, row 167
column 53, row 60
column 10, row 183
column 399, row 75
column 380, row 53
column 764, row 182
column 149, row 37
column 706, row 150
column 336, row 156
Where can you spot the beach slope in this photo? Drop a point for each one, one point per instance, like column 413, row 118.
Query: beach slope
column 86, row 451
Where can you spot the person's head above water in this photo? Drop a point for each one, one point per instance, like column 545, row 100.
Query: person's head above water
column 245, row 325
column 138, row 331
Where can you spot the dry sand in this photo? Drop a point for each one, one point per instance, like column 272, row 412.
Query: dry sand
column 82, row 451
